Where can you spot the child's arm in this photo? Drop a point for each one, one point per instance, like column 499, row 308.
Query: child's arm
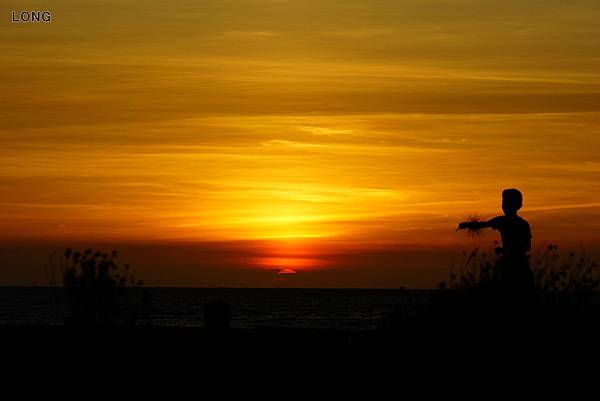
column 474, row 225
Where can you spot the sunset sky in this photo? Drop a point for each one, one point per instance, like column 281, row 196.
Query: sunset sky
column 232, row 142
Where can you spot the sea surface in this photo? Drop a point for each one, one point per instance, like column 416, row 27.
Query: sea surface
column 343, row 309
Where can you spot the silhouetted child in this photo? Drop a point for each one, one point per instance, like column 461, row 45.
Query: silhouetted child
column 516, row 243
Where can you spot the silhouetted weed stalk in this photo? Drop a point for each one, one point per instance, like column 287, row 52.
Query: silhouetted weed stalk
column 98, row 290
column 576, row 273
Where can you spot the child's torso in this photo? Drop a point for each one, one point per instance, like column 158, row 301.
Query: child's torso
column 515, row 233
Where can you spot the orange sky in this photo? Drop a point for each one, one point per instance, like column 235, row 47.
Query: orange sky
column 295, row 134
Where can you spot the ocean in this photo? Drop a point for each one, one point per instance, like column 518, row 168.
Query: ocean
column 342, row 309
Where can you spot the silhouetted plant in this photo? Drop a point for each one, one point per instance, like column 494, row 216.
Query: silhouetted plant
column 573, row 273
column 474, row 269
column 98, row 290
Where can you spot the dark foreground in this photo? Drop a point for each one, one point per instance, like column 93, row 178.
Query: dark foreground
column 456, row 326
column 135, row 348
column 442, row 356
column 445, row 325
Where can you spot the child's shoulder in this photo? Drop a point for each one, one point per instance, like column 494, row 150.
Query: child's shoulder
column 522, row 220
column 503, row 220
column 497, row 221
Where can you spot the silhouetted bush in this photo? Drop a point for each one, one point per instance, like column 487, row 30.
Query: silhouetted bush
column 99, row 291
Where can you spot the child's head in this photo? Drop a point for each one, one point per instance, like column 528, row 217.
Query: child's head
column 512, row 200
